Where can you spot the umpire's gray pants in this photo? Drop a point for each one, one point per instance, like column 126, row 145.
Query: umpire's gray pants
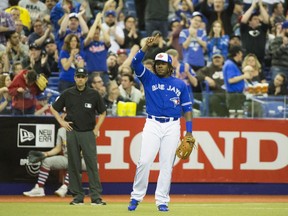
column 85, row 141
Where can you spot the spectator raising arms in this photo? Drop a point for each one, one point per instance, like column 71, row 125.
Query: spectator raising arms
column 254, row 31
column 60, row 9
column 72, row 23
column 96, row 49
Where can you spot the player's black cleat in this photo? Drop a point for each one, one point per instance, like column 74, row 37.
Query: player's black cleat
column 76, row 202
column 98, row 202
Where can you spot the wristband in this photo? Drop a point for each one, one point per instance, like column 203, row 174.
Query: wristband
column 189, row 126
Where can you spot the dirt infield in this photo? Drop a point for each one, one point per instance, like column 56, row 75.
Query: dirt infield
column 150, row 198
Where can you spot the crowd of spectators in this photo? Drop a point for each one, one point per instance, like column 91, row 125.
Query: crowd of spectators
column 225, row 47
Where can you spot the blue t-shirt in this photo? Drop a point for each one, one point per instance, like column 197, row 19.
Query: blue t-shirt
column 218, row 45
column 165, row 97
column 194, row 54
column 68, row 75
column 95, row 56
column 230, row 70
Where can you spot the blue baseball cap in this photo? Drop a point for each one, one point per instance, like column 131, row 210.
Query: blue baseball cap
column 163, row 57
column 110, row 12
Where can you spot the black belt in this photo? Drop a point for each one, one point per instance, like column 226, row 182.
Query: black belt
column 163, row 119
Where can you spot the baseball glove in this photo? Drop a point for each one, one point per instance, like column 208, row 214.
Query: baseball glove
column 186, row 146
column 41, row 82
column 35, row 156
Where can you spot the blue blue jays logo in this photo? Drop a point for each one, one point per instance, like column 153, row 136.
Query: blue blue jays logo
column 175, row 100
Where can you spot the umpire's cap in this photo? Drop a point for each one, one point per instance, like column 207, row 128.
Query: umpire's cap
column 163, row 57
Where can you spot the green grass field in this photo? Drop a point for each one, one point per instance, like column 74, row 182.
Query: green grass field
column 144, row 209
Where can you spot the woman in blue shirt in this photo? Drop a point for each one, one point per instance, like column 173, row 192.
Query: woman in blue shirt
column 71, row 57
column 217, row 41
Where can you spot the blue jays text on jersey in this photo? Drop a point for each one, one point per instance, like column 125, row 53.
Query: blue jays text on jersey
column 169, row 88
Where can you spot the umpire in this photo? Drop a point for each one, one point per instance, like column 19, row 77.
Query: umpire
column 82, row 104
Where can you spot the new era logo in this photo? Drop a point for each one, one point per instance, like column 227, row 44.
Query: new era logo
column 26, row 135
column 36, row 135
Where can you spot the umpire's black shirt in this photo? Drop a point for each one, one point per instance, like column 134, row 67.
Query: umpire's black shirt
column 81, row 107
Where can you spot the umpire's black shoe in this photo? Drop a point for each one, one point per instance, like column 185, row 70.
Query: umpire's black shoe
column 76, row 202
column 98, row 202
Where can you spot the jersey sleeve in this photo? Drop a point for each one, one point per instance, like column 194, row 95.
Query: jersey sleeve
column 137, row 63
column 185, row 99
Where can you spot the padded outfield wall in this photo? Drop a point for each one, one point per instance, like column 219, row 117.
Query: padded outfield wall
column 234, row 156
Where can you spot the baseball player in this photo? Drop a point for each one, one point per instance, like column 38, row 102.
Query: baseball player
column 167, row 98
column 53, row 161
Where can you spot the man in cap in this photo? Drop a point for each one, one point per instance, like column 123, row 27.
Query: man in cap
column 50, row 48
column 82, row 105
column 211, row 77
column 72, row 23
column 194, row 42
column 122, row 55
column 116, row 32
column 61, row 9
column 166, row 98
column 37, row 61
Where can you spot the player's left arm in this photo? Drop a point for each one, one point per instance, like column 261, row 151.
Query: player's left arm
column 187, row 109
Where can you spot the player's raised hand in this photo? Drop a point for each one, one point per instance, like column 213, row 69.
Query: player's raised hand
column 151, row 40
